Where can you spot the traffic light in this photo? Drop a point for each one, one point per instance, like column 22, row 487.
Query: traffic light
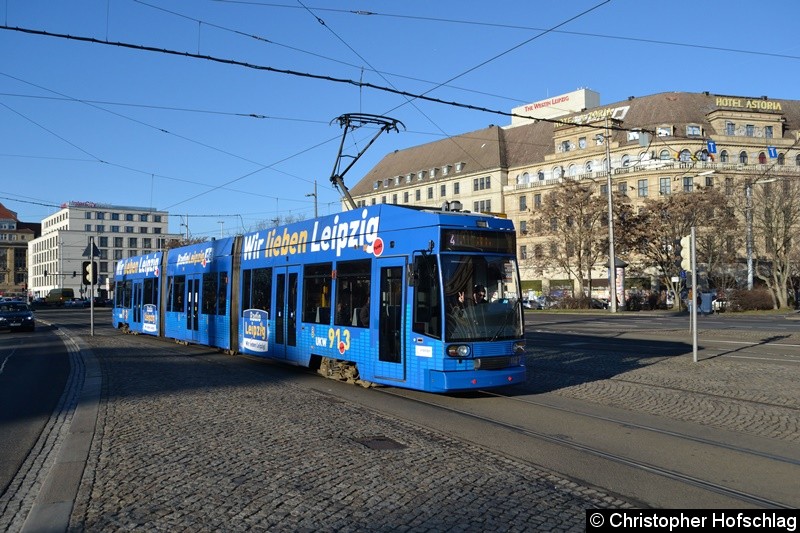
column 89, row 273
column 686, row 251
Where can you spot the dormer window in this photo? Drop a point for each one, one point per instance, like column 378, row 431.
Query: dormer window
column 421, row 175
column 432, row 172
column 446, row 170
column 408, row 178
column 460, row 166
column 664, row 131
column 376, row 184
column 693, row 131
column 633, row 135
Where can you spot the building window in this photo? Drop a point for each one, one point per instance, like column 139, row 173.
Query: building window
column 728, row 186
column 768, row 132
column 537, row 198
column 664, row 186
column 87, row 227
column 383, row 199
column 664, row 155
column 114, row 216
column 633, row 135
column 723, row 156
column 730, row 128
column 118, row 242
column 394, row 199
column 540, row 175
column 157, row 218
column 479, row 184
column 523, row 203
column 523, row 227
column 460, row 166
column 117, row 254
column 688, row 184
column 743, row 157
column 749, row 130
column 443, row 190
column 100, row 228
column 588, row 167
column 523, row 252
column 87, row 215
column 558, row 172
column 622, row 188
column 642, row 188
column 565, row 146
column 376, row 185
column 100, row 215
column 143, row 229
column 132, row 242
column 103, row 241
column 114, row 229
column 157, row 230
column 418, row 195
column 147, row 243
column 430, row 193
column 781, row 159
column 664, row 131
column 762, row 158
column 482, row 206
column 456, row 188
column 709, row 181
column 405, row 197
column 582, row 143
column 685, row 155
column 626, row 160
column 693, row 131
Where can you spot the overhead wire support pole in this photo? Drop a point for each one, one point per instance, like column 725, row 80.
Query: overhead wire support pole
column 612, row 260
column 352, row 121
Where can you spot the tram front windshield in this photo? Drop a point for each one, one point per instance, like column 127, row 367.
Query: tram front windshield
column 482, row 297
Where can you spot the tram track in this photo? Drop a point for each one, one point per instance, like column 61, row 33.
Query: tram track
column 570, row 443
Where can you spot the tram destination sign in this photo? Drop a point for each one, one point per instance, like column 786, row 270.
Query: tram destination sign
column 502, row 242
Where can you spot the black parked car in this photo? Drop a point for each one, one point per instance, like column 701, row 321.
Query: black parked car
column 16, row 316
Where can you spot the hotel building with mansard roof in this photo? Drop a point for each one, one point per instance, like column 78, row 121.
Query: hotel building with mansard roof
column 698, row 140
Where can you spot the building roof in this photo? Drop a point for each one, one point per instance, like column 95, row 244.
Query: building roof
column 480, row 150
column 510, row 147
column 6, row 213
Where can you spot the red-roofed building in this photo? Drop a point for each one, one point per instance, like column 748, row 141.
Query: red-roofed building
column 14, row 239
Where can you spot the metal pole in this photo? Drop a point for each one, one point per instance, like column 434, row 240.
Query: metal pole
column 91, row 281
column 695, row 294
column 611, row 254
column 748, row 190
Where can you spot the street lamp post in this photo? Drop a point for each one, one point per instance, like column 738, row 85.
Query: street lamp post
column 612, row 266
column 314, row 194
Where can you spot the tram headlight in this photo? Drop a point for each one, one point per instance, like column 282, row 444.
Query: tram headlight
column 518, row 348
column 458, row 350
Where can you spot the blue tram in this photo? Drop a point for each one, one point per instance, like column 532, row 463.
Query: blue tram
column 415, row 298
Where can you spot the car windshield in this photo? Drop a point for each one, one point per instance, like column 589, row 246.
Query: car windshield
column 13, row 307
column 482, row 296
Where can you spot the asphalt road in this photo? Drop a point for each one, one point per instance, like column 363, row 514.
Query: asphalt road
column 33, row 371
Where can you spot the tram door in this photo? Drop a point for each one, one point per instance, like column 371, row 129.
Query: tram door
column 136, row 307
column 192, row 306
column 391, row 319
column 286, row 295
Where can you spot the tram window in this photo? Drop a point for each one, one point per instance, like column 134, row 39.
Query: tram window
column 209, row 293
column 222, row 301
column 317, row 293
column 176, row 290
column 257, row 289
column 352, row 292
column 149, row 296
column 427, row 298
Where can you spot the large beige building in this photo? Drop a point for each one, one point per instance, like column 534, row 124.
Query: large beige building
column 14, row 238
column 697, row 140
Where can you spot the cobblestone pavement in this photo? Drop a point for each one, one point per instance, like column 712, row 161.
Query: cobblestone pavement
column 187, row 443
column 759, row 398
column 190, row 444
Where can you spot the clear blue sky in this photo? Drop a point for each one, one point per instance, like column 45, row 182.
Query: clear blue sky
column 231, row 146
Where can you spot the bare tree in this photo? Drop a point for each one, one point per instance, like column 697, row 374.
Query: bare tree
column 776, row 224
column 573, row 216
column 661, row 222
